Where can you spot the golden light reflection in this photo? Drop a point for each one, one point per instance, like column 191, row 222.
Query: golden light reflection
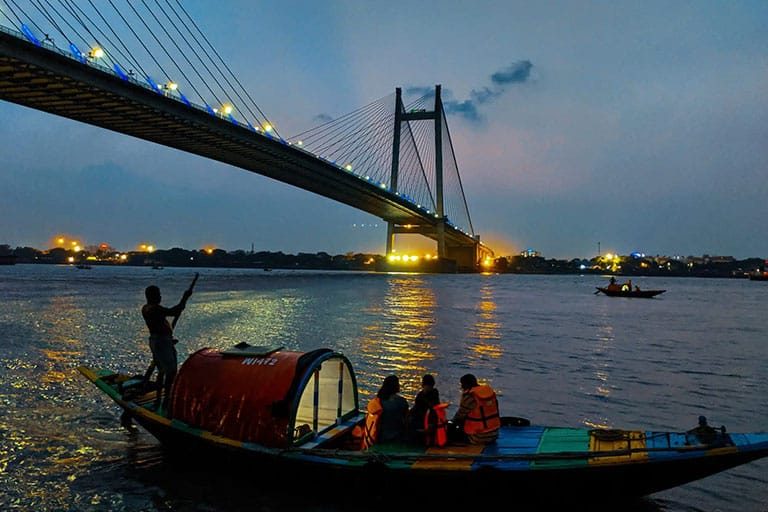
column 64, row 322
column 227, row 318
column 602, row 371
column 401, row 342
column 487, row 328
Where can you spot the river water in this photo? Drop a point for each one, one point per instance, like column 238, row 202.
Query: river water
column 555, row 352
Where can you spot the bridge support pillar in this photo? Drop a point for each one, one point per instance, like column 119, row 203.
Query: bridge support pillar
column 390, row 238
column 465, row 256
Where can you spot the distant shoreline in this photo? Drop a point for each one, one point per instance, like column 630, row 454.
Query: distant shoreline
column 629, row 266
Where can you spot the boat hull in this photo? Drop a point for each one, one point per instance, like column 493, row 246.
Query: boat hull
column 639, row 294
column 577, row 483
column 543, row 463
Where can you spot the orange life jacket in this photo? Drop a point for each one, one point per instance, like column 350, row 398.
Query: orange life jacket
column 485, row 416
column 436, row 425
column 372, row 418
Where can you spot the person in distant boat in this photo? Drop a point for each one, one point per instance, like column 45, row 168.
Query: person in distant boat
column 428, row 425
column 385, row 421
column 161, row 340
column 478, row 418
column 612, row 286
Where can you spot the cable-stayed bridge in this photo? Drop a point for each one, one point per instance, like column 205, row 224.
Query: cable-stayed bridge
column 89, row 63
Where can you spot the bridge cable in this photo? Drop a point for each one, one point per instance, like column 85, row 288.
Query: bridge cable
column 323, row 141
column 225, row 65
column 364, row 140
column 419, row 102
column 10, row 9
column 416, row 136
column 421, row 134
column 72, row 8
column 363, row 136
column 182, row 54
column 25, row 15
column 243, row 102
column 132, row 59
column 458, row 176
column 162, row 47
column 326, row 145
column 50, row 20
column 69, row 10
column 146, row 75
column 323, row 125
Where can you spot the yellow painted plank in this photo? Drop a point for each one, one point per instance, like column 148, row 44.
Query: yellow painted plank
column 462, row 464
column 634, row 440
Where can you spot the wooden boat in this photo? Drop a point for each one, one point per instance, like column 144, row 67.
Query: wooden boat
column 643, row 294
column 291, row 416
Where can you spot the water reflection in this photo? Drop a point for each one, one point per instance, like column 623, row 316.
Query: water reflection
column 601, row 361
column 487, row 328
column 401, row 340
column 225, row 319
column 63, row 322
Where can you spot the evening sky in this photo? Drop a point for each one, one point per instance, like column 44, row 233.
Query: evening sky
column 636, row 125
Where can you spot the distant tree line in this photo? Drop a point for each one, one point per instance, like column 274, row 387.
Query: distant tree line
column 521, row 264
column 629, row 266
column 178, row 257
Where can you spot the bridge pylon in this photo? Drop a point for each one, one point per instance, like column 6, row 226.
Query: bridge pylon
column 450, row 257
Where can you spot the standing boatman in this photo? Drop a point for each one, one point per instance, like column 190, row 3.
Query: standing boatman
column 161, row 340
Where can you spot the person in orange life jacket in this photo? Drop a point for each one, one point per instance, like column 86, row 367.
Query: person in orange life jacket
column 387, row 413
column 161, row 340
column 478, row 414
column 425, row 400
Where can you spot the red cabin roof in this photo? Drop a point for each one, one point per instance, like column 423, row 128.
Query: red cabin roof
column 262, row 396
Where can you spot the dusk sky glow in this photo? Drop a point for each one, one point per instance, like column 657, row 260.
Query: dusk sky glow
column 638, row 125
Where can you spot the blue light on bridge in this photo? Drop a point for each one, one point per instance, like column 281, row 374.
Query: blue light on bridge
column 251, row 126
column 209, row 109
column 119, row 72
column 152, row 84
column 28, row 33
column 76, row 53
column 232, row 119
column 184, row 99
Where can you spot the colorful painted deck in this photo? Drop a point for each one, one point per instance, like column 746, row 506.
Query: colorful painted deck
column 533, row 459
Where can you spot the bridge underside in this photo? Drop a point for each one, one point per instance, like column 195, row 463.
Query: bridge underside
column 49, row 81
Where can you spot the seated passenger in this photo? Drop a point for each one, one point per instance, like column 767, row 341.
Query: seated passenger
column 428, row 425
column 386, row 415
column 478, row 414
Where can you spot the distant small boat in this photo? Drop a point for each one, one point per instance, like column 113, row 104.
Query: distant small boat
column 267, row 269
column 84, row 266
column 157, row 267
column 640, row 294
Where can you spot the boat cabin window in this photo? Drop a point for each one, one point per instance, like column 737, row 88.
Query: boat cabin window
column 328, row 396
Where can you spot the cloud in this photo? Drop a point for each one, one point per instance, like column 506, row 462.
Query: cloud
column 466, row 109
column 516, row 73
column 322, row 118
column 419, row 91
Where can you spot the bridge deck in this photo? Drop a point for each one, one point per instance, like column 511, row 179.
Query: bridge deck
column 50, row 81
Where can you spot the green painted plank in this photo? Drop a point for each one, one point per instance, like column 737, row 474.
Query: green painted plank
column 563, row 440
